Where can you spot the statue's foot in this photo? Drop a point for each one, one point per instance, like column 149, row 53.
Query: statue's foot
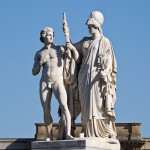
column 48, row 139
column 81, row 135
column 70, row 137
column 112, row 136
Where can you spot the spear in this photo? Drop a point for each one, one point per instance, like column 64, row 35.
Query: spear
column 66, row 29
column 67, row 52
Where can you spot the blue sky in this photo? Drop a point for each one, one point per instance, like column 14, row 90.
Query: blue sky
column 126, row 24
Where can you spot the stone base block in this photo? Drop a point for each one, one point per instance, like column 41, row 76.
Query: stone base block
column 79, row 144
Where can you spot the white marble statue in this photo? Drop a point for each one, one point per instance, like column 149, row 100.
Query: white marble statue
column 70, row 80
column 50, row 58
column 96, row 80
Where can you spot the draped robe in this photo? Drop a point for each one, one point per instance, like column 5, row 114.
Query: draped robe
column 97, row 94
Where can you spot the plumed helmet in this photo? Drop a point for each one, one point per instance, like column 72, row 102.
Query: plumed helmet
column 96, row 18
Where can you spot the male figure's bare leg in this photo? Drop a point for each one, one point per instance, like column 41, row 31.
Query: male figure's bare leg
column 61, row 95
column 45, row 95
column 62, row 127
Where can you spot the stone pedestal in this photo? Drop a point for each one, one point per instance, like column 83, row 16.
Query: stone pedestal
column 79, row 144
column 125, row 131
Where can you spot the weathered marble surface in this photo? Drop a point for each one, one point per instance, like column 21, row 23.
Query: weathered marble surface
column 50, row 59
column 96, row 80
column 93, row 84
column 125, row 131
column 82, row 144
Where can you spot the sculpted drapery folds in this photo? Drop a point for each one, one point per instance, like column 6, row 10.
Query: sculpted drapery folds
column 97, row 92
column 96, row 81
column 88, row 68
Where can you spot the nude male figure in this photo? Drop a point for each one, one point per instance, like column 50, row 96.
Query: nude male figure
column 51, row 60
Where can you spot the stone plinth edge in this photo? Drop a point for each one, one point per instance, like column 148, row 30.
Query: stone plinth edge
column 81, row 143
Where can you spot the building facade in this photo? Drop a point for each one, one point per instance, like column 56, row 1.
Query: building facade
column 127, row 133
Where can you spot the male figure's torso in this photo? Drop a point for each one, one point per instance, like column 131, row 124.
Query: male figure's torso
column 53, row 68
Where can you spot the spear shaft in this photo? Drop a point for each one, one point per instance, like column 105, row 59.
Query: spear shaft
column 66, row 29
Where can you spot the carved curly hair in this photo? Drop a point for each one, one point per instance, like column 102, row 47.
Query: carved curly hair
column 42, row 35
